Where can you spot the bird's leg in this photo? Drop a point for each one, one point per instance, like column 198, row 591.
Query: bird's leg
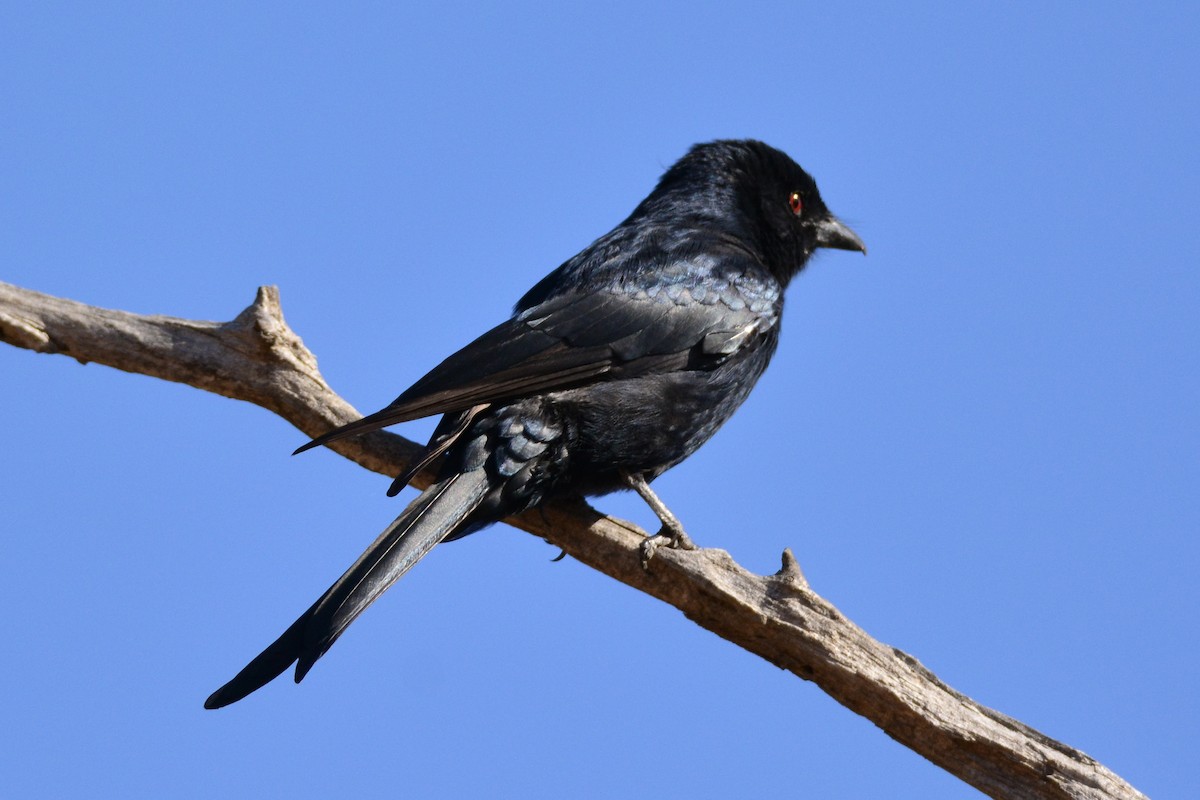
column 671, row 533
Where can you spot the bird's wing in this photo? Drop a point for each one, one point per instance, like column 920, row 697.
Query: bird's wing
column 688, row 321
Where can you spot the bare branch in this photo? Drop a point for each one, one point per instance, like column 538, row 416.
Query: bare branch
column 258, row 358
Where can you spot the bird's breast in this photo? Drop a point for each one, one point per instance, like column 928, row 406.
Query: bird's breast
column 650, row 423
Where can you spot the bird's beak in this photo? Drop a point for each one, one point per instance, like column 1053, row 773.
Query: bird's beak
column 832, row 232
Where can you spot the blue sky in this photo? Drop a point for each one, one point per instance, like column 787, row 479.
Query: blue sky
column 982, row 441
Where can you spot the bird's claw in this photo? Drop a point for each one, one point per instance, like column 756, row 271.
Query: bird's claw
column 667, row 536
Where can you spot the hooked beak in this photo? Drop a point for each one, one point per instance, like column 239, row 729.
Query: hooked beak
column 832, row 232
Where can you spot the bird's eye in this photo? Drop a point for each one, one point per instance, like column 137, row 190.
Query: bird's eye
column 796, row 204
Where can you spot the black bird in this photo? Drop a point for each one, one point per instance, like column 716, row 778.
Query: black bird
column 613, row 368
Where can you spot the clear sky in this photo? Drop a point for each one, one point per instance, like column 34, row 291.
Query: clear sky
column 982, row 441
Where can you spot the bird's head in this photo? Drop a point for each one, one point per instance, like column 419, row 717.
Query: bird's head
column 760, row 195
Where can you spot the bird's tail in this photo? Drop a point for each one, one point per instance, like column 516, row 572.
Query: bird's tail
column 441, row 509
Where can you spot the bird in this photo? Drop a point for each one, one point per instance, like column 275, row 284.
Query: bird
column 611, row 370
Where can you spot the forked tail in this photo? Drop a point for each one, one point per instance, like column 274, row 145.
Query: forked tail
column 439, row 511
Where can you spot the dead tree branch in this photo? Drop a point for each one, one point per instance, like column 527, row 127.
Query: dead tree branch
column 258, row 358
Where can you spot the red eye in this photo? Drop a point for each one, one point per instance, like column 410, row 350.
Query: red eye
column 796, row 204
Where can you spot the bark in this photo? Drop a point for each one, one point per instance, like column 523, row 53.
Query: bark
column 258, row 358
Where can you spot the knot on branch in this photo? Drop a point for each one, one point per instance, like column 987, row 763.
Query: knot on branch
column 261, row 324
column 790, row 574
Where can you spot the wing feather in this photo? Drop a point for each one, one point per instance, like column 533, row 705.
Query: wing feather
column 570, row 340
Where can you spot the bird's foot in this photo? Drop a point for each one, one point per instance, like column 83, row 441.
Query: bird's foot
column 667, row 536
column 671, row 533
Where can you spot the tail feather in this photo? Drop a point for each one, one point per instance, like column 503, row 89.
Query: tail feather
column 438, row 512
